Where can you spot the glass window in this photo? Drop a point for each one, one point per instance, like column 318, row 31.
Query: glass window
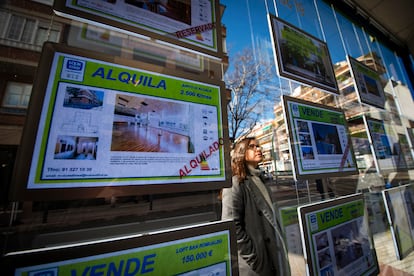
column 332, row 35
column 28, row 31
column 17, row 95
column 15, row 27
column 43, row 34
column 351, row 41
column 4, row 16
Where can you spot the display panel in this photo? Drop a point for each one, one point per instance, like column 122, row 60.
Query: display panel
column 336, row 237
column 208, row 249
column 319, row 139
column 193, row 24
column 96, row 122
column 367, row 83
column 399, row 202
column 388, row 146
column 290, row 225
column 302, row 57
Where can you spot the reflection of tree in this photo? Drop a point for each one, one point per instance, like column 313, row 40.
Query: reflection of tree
column 244, row 81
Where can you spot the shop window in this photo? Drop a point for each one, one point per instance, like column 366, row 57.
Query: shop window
column 17, row 95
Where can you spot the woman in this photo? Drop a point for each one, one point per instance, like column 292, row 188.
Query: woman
column 248, row 202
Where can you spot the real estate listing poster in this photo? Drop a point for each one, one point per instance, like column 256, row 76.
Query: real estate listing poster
column 290, row 225
column 319, row 139
column 367, row 83
column 399, row 202
column 336, row 237
column 192, row 24
column 208, row 249
column 388, row 146
column 101, row 123
column 302, row 57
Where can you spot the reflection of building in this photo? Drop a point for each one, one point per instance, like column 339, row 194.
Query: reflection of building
column 25, row 26
column 355, row 113
column 263, row 134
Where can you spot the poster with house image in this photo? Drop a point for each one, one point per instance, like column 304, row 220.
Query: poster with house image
column 319, row 139
column 336, row 237
column 106, row 124
column 302, row 57
column 367, row 83
column 193, row 24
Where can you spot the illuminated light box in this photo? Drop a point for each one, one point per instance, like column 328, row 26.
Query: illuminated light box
column 302, row 57
column 207, row 249
column 389, row 146
column 368, row 83
column 399, row 203
column 194, row 24
column 336, row 237
column 319, row 139
column 96, row 122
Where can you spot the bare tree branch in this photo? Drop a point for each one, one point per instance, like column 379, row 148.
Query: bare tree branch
column 244, row 82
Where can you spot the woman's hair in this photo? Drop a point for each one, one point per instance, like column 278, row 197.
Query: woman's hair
column 238, row 163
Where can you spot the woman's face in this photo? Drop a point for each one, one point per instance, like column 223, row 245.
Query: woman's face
column 253, row 153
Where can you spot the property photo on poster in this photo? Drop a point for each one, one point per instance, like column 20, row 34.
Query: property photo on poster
column 319, row 139
column 336, row 237
column 367, row 83
column 302, row 57
column 399, row 202
column 192, row 24
column 206, row 249
column 105, row 124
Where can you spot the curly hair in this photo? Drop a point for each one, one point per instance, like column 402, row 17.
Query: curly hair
column 238, row 163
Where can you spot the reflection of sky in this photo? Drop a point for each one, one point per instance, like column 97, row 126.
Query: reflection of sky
column 246, row 23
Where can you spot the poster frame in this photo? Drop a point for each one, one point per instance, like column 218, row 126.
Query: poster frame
column 397, row 222
column 361, row 73
column 20, row 178
column 120, row 246
column 312, row 209
column 294, row 142
column 149, row 29
column 384, row 149
column 326, row 82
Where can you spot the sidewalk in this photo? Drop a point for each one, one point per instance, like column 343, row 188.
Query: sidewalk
column 387, row 259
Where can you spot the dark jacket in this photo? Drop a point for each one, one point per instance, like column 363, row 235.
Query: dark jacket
column 260, row 244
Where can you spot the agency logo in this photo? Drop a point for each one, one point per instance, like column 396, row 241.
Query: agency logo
column 72, row 64
column 73, row 69
column 313, row 222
